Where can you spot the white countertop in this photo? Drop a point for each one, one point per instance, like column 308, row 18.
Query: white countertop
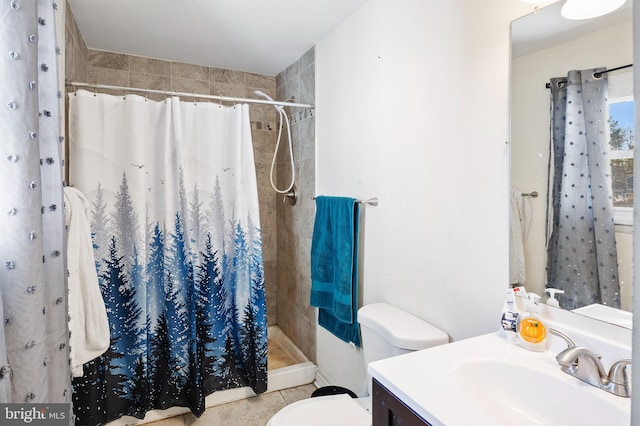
column 435, row 384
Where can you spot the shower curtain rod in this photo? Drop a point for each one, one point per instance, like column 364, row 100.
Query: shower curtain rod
column 190, row 95
column 599, row 74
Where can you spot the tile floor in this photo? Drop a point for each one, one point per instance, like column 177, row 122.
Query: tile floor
column 254, row 411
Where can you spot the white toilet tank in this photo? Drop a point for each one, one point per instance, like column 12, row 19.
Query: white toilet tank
column 388, row 331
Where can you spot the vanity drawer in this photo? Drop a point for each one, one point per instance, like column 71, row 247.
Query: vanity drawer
column 388, row 410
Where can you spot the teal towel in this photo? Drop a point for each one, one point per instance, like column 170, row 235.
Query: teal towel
column 334, row 266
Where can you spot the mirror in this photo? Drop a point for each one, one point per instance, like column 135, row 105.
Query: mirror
column 545, row 45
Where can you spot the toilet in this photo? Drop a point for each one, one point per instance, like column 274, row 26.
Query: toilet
column 386, row 331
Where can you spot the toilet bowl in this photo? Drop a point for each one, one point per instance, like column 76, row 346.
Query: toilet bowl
column 386, row 331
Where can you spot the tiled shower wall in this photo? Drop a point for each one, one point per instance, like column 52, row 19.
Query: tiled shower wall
column 295, row 223
column 76, row 52
column 286, row 231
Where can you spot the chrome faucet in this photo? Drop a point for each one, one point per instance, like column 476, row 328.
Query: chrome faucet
column 583, row 364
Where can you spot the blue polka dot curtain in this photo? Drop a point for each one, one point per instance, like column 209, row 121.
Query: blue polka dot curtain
column 581, row 247
column 34, row 339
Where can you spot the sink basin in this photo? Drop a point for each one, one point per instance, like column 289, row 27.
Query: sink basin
column 488, row 380
column 537, row 399
column 607, row 314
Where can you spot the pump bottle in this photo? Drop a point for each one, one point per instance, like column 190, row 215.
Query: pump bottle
column 532, row 332
column 552, row 301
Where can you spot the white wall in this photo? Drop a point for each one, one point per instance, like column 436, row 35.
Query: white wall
column 610, row 48
column 412, row 101
column 635, row 373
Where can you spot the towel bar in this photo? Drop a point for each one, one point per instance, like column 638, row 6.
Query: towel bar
column 371, row 201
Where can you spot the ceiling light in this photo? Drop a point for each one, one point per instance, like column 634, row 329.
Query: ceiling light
column 587, row 9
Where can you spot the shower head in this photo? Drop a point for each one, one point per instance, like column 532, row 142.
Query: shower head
column 264, row 95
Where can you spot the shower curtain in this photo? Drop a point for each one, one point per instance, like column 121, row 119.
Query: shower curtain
column 34, row 352
column 581, row 248
column 178, row 250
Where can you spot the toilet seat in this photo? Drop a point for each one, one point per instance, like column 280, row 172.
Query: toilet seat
column 323, row 411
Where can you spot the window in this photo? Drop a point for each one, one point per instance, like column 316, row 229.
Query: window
column 622, row 124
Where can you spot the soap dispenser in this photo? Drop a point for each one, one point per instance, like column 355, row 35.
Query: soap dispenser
column 532, row 332
column 552, row 301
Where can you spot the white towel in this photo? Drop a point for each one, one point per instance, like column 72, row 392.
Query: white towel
column 88, row 322
column 520, row 219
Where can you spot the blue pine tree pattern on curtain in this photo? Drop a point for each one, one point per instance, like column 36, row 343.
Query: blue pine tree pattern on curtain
column 185, row 303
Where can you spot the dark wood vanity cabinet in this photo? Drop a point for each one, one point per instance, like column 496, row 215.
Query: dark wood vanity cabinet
column 388, row 410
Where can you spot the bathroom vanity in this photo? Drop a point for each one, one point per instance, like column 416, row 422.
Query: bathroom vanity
column 389, row 410
column 491, row 380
